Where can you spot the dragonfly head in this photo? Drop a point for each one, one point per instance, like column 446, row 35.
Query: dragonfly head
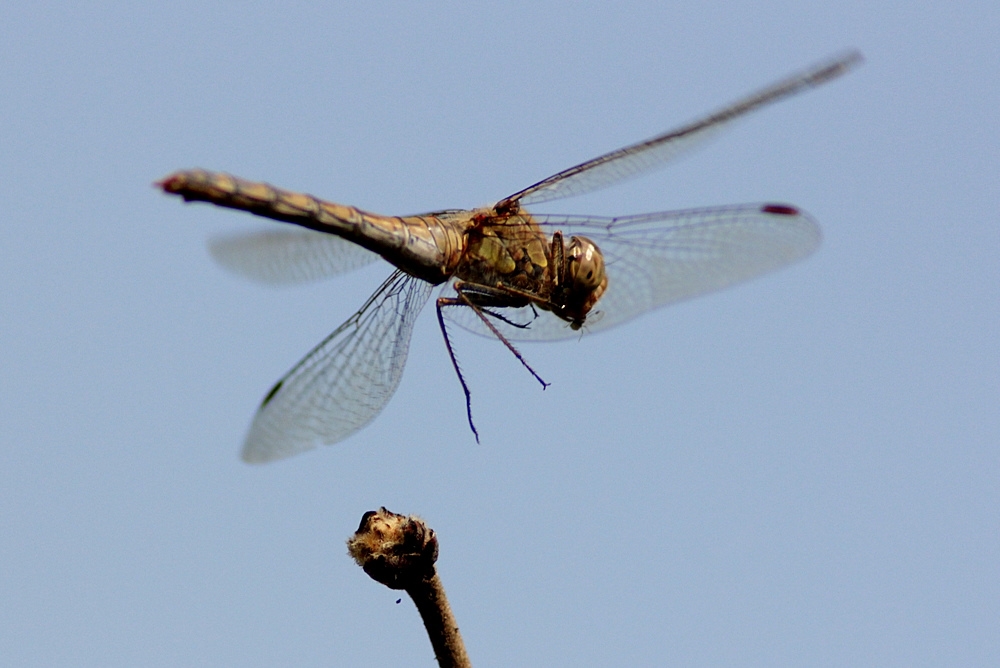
column 586, row 279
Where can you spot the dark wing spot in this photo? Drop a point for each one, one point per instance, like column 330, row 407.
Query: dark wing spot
column 780, row 209
column 270, row 395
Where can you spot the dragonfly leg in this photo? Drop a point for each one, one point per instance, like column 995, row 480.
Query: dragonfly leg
column 464, row 300
column 507, row 321
column 479, row 295
column 449, row 301
column 483, row 297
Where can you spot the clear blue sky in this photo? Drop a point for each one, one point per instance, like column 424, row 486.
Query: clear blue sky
column 803, row 470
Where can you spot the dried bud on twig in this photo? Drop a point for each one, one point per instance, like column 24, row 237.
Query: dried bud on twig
column 399, row 552
column 394, row 550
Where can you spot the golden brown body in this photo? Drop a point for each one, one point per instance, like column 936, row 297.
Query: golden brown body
column 503, row 258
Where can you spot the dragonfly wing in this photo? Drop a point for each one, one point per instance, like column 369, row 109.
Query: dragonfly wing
column 288, row 256
column 660, row 258
column 345, row 381
column 656, row 259
column 633, row 160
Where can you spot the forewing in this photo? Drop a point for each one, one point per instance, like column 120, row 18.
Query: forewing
column 656, row 259
column 345, row 381
column 633, row 160
column 288, row 256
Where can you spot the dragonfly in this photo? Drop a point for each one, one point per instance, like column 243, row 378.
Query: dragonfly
column 504, row 272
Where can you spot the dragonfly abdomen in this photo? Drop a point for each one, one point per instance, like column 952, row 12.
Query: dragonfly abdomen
column 427, row 247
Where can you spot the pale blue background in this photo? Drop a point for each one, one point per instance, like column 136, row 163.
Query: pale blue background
column 804, row 470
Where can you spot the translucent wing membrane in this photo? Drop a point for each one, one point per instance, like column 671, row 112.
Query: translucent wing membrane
column 633, row 160
column 345, row 381
column 656, row 259
column 288, row 256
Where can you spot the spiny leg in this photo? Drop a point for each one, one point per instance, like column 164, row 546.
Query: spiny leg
column 520, row 325
column 464, row 300
column 447, row 301
column 507, row 321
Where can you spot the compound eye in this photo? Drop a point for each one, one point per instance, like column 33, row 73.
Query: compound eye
column 586, row 264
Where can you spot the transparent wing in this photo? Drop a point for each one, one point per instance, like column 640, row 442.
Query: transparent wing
column 656, row 259
column 633, row 160
column 345, row 381
column 288, row 256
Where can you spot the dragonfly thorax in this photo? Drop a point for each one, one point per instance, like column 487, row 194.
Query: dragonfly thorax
column 509, row 261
